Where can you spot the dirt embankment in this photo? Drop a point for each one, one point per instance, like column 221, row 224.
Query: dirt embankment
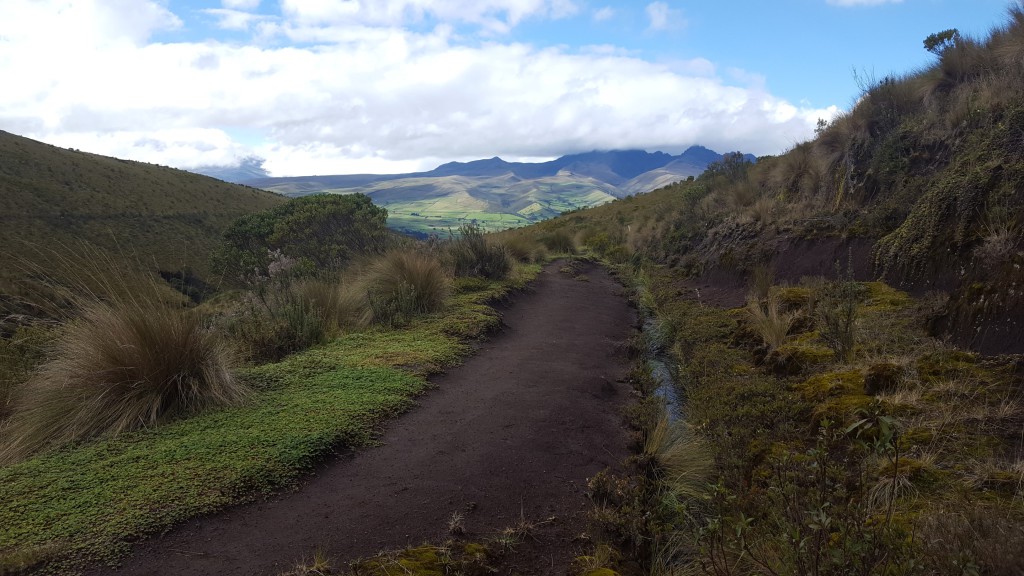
column 511, row 435
column 987, row 317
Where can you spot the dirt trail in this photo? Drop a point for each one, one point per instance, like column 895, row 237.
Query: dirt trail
column 514, row 432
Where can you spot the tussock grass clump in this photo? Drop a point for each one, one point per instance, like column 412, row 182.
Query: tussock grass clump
column 472, row 255
column 684, row 461
column 400, row 285
column 119, row 367
column 520, row 248
column 768, row 319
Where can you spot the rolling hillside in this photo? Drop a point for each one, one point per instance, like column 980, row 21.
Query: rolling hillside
column 54, row 202
column 496, row 194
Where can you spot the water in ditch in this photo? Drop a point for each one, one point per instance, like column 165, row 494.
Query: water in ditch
column 660, row 365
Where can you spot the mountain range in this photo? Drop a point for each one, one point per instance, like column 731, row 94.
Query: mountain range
column 493, row 193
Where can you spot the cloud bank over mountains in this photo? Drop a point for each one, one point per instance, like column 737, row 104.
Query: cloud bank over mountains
column 370, row 86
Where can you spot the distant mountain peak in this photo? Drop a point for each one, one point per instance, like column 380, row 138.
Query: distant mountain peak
column 248, row 168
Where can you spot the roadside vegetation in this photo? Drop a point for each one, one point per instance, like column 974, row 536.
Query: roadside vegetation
column 131, row 411
column 834, row 419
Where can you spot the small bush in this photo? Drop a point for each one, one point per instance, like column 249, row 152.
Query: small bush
column 559, row 242
column 276, row 322
column 837, row 310
column 119, row 367
column 520, row 248
column 472, row 255
column 400, row 285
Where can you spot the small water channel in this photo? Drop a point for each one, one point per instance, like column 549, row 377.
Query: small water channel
column 661, row 366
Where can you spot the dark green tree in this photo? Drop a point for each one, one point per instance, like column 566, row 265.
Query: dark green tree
column 731, row 168
column 941, row 41
column 317, row 232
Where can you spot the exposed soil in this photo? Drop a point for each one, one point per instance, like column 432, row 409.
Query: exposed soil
column 989, row 321
column 511, row 435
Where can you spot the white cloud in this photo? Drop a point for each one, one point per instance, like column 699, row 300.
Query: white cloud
column 848, row 3
column 663, row 17
column 364, row 99
column 603, row 14
column 229, row 19
column 54, row 24
column 241, row 4
column 495, row 15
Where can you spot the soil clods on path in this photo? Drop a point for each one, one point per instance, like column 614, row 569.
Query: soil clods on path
column 510, row 436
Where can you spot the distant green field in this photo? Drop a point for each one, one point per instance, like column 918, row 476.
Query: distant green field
column 424, row 206
column 441, row 223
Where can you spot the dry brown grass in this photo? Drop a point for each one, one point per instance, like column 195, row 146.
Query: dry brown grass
column 684, row 460
column 119, row 367
column 400, row 285
column 768, row 319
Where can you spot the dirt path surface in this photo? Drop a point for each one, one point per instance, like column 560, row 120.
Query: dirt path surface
column 512, row 434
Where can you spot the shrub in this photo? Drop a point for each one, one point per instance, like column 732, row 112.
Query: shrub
column 315, row 232
column 520, row 248
column 121, row 366
column 400, row 285
column 472, row 255
column 559, row 242
column 836, row 311
column 270, row 334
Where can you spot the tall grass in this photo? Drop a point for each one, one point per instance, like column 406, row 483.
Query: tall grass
column 19, row 355
column 768, row 319
column 472, row 255
column 399, row 285
column 120, row 366
column 684, row 461
column 520, row 248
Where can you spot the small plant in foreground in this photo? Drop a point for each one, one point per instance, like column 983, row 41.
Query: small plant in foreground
column 119, row 367
column 456, row 524
column 319, row 565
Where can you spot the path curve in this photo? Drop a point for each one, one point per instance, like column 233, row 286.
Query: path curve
column 514, row 432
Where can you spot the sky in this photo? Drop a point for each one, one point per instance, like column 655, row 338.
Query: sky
column 389, row 86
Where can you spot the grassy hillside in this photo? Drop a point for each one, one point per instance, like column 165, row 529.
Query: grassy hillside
column 920, row 184
column 53, row 201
